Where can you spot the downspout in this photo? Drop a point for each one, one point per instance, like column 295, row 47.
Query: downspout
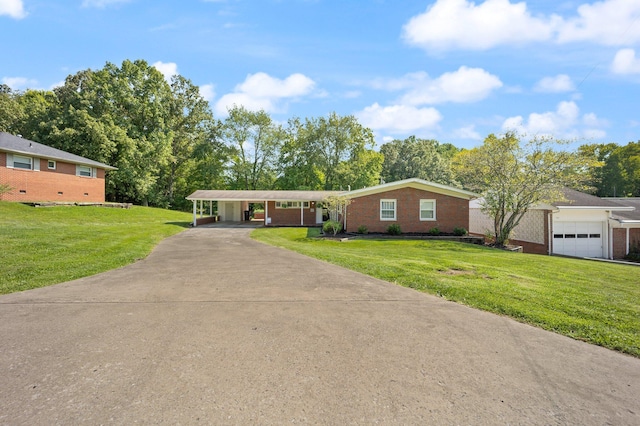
column 344, row 219
column 195, row 214
column 627, row 241
column 549, row 233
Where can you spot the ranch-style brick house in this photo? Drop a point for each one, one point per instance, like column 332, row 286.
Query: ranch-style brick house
column 582, row 225
column 39, row 173
column 414, row 204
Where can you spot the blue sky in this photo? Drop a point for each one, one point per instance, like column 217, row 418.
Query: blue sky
column 452, row 70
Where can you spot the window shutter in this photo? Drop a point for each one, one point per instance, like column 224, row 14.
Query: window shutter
column 10, row 161
column 94, row 172
column 36, row 164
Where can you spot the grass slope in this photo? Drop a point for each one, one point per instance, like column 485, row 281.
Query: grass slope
column 591, row 301
column 44, row 246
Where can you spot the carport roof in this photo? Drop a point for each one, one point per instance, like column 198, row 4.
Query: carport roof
column 260, row 196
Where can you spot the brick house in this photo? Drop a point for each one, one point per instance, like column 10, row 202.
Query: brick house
column 39, row 173
column 414, row 204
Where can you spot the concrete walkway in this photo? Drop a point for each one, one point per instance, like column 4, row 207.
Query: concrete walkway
column 214, row 328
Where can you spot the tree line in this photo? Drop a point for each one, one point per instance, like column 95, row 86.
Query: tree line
column 165, row 142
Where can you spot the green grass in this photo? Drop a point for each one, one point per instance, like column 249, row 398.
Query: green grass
column 48, row 245
column 586, row 300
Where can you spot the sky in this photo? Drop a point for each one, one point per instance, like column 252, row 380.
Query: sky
column 451, row 70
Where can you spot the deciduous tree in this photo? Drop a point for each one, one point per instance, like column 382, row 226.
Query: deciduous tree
column 514, row 176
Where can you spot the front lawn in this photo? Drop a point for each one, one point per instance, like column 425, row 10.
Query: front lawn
column 586, row 300
column 48, row 245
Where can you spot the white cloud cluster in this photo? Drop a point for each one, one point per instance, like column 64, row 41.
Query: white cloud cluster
column 12, row 8
column 168, row 69
column 399, row 118
column 463, row 24
column 557, row 84
column 565, row 121
column 260, row 91
column 19, row 83
column 461, row 86
column 625, row 62
column 413, row 111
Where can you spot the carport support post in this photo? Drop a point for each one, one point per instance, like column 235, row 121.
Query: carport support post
column 195, row 214
column 266, row 212
column 301, row 213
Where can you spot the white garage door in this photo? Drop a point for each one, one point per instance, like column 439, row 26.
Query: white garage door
column 581, row 239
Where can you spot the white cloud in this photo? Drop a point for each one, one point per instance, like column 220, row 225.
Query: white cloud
column 12, row 8
column 558, row 84
column 461, row 86
column 399, row 118
column 101, row 4
column 625, row 62
column 18, row 83
column 208, row 92
column 608, row 22
column 168, row 69
column 463, row 24
column 261, row 91
column 565, row 121
column 467, row 132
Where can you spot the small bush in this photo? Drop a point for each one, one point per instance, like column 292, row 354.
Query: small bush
column 459, row 231
column 332, row 227
column 394, row 229
column 433, row 231
column 362, row 229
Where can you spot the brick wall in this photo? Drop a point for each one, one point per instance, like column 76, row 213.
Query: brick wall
column 291, row 216
column 60, row 184
column 451, row 212
column 620, row 241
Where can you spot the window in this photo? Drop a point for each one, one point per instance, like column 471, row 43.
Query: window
column 291, row 204
column 427, row 209
column 20, row 162
column 51, row 164
column 84, row 171
column 387, row 209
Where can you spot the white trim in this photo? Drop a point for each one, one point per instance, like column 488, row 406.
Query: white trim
column 55, row 164
column 395, row 209
column 427, row 200
column 415, row 183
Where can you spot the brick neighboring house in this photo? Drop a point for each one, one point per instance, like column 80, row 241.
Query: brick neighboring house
column 582, row 225
column 40, row 173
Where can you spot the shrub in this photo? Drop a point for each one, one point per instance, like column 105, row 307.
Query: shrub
column 433, row 231
column 362, row 229
column 459, row 231
column 394, row 229
column 332, row 227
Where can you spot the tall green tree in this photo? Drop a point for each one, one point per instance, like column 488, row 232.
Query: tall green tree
column 254, row 142
column 11, row 112
column 189, row 123
column 621, row 172
column 417, row 158
column 514, row 176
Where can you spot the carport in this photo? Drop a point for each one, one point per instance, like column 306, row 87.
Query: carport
column 281, row 208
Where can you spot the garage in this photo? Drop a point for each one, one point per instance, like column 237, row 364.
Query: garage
column 581, row 239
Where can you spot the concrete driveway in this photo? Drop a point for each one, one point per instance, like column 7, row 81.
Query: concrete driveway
column 214, row 328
